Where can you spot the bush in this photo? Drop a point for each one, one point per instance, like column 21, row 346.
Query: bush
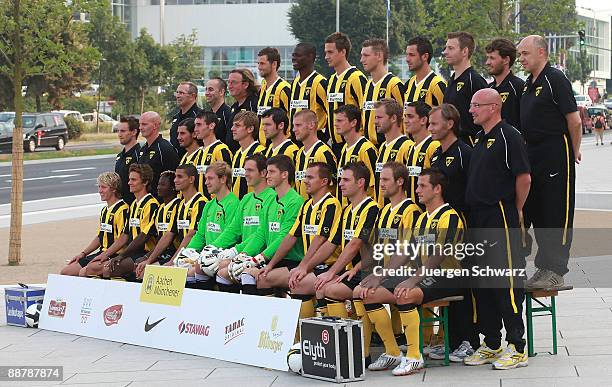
column 83, row 104
column 75, row 128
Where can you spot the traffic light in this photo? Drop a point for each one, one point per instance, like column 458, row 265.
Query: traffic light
column 582, row 38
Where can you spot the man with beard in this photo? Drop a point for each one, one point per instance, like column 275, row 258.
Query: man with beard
column 425, row 85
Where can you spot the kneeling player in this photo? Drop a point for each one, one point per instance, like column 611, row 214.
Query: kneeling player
column 437, row 228
column 112, row 223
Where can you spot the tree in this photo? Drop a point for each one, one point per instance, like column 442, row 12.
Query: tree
column 578, row 67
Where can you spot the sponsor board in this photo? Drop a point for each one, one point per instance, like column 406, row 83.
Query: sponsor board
column 57, row 308
column 163, row 285
column 112, row 314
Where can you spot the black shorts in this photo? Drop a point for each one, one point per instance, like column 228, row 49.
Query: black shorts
column 136, row 255
column 288, row 263
column 353, row 282
column 433, row 287
column 320, row 269
column 85, row 260
column 165, row 257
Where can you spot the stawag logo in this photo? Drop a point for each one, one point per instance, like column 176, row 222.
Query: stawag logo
column 269, row 339
column 57, row 308
column 112, row 314
column 234, row 330
column 86, row 308
column 193, row 329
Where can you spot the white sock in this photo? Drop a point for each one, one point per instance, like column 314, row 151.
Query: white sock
column 247, row 279
column 201, row 277
column 223, row 281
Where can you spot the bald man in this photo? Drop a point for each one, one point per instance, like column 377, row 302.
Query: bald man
column 157, row 152
column 497, row 187
column 552, row 128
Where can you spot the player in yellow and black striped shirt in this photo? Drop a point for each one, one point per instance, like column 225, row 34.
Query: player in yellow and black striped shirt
column 425, row 85
column 356, row 147
column 309, row 88
column 396, row 146
column 383, row 84
column 416, row 120
column 274, row 91
column 112, row 222
column 305, row 130
column 275, row 123
column 344, row 87
column 244, row 132
column 212, row 149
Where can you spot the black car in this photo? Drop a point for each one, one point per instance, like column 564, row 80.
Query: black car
column 39, row 130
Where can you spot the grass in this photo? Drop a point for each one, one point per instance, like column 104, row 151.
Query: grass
column 53, row 154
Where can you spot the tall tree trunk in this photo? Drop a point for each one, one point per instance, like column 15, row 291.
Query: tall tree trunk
column 142, row 97
column 14, row 257
column 38, row 107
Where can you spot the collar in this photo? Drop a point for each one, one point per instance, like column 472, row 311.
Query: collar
column 321, row 200
column 422, row 80
column 358, row 205
column 434, row 212
column 381, row 79
column 307, row 78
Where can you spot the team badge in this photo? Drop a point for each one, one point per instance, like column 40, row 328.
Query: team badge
column 218, row 215
column 151, row 154
column 396, row 220
column 271, row 99
column 449, row 161
column 318, row 215
column 421, row 157
column 343, row 85
column 128, row 160
column 307, row 92
column 460, row 85
column 393, row 154
column 538, row 90
column 354, row 158
column 280, row 213
column 434, row 223
column 355, row 222
column 490, row 142
column 381, row 93
column 257, row 207
column 422, row 94
column 504, row 96
column 208, row 159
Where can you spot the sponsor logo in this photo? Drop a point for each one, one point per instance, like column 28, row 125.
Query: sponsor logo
column 250, row 221
column 57, row 308
column 86, row 309
column 270, row 339
column 325, row 336
column 112, row 314
column 13, row 312
column 193, row 329
column 314, row 351
column 234, row 330
column 148, row 327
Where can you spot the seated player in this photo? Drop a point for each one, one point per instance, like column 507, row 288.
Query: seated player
column 435, row 229
column 397, row 217
column 112, row 222
column 217, row 213
column 167, row 240
column 139, row 231
column 278, row 219
column 246, row 220
column 351, row 233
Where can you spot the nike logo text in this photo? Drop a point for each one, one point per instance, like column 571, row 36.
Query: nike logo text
column 553, row 174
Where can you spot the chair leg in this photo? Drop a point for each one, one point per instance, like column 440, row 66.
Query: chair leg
column 444, row 322
column 420, row 331
column 553, row 317
column 529, row 316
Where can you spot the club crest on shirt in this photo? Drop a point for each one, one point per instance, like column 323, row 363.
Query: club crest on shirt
column 354, row 159
column 538, row 90
column 318, row 215
column 434, row 224
column 381, row 93
column 449, row 160
column 218, row 215
column 271, row 99
column 396, row 219
column 151, row 154
column 504, row 96
column 257, row 207
column 307, row 92
column 280, row 213
column 392, row 154
column 490, row 142
column 460, row 85
column 343, row 85
column 128, row 160
column 421, row 157
column 355, row 222
column 422, row 94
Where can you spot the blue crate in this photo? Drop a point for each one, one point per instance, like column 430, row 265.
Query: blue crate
column 18, row 299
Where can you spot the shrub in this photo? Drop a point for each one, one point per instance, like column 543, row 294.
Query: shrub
column 75, row 128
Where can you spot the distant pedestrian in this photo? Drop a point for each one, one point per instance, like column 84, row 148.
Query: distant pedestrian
column 599, row 125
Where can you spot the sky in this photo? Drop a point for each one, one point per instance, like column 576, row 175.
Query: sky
column 597, row 5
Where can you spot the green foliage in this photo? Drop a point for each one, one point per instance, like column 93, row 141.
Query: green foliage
column 578, row 67
column 83, row 104
column 75, row 128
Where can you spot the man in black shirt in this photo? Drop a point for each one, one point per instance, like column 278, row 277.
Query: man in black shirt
column 497, row 188
column 127, row 131
column 464, row 82
column 551, row 125
column 186, row 98
column 157, row 152
column 214, row 93
column 241, row 83
column 501, row 54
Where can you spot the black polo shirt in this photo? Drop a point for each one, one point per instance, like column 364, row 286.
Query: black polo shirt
column 161, row 156
column 544, row 104
column 223, row 130
column 122, row 166
column 176, row 120
column 459, row 93
column 454, row 163
column 510, row 90
column 497, row 158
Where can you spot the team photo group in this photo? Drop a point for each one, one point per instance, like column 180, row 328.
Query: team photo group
column 308, row 189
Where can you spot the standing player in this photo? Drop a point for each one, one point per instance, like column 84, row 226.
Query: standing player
column 465, row 81
column 501, row 54
column 497, row 188
column 274, row 123
column 314, row 150
column 212, row 149
column 112, row 222
column 127, row 131
column 186, row 95
column 188, row 141
column 274, row 92
column 551, row 126
column 416, row 119
column 345, row 85
column 356, row 147
column 244, row 132
column 309, row 88
column 383, row 84
column 425, row 85
column 214, row 93
column 396, row 145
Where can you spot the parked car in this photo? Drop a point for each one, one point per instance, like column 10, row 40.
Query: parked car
column 7, row 116
column 608, row 103
column 583, row 100
column 71, row 113
column 89, row 117
column 39, row 130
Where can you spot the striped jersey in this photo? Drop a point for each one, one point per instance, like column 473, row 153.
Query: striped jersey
column 112, row 223
column 239, row 184
column 343, row 89
column 275, row 95
column 164, row 222
column 419, row 158
column 396, row 221
column 309, row 93
column 318, row 152
column 394, row 150
column 142, row 220
column 362, row 150
column 287, row 148
column 188, row 215
column 430, row 90
column 389, row 86
column 208, row 154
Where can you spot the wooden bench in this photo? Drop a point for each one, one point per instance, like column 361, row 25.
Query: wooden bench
column 441, row 318
column 536, row 295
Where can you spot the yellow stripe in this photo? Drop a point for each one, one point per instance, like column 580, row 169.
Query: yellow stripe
column 567, row 190
column 475, row 314
column 501, row 206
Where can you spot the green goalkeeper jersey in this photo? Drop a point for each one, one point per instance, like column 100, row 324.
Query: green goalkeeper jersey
column 215, row 216
column 246, row 220
column 278, row 220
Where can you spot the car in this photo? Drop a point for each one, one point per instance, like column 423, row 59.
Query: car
column 583, row 100
column 39, row 130
column 70, row 113
column 608, row 103
column 7, row 116
column 89, row 117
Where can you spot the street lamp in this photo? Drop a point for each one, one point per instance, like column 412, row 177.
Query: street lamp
column 99, row 94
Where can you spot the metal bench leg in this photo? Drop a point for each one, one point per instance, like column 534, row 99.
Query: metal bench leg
column 444, row 322
column 529, row 315
column 420, row 331
column 553, row 317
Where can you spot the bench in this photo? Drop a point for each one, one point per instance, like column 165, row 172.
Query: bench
column 531, row 311
column 441, row 318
